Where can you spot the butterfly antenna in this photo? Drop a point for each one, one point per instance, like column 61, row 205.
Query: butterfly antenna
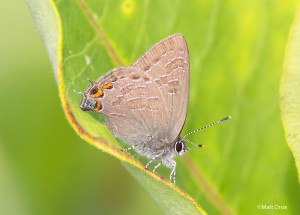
column 199, row 145
column 221, row 120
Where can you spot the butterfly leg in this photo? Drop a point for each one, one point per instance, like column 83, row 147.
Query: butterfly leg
column 149, row 162
column 156, row 166
column 156, row 156
column 125, row 150
column 173, row 172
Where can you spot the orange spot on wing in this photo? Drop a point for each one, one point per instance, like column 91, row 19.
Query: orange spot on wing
column 98, row 93
column 98, row 107
column 107, row 86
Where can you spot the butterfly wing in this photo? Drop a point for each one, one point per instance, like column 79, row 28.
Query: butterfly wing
column 148, row 100
column 167, row 62
column 132, row 104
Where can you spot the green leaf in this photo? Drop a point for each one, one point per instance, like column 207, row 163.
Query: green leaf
column 236, row 54
column 11, row 202
column 290, row 92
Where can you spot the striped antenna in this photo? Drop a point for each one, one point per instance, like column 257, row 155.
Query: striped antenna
column 206, row 127
column 199, row 145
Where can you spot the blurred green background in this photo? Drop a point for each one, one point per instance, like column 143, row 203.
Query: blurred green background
column 45, row 168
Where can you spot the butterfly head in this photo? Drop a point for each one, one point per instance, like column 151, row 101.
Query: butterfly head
column 180, row 146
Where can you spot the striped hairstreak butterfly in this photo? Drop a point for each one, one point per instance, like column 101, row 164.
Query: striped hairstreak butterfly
column 146, row 103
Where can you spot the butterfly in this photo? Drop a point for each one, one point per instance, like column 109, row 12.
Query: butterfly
column 146, row 103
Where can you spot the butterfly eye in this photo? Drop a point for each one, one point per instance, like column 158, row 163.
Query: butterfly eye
column 179, row 146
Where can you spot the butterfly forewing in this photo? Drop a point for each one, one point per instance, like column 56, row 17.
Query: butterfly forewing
column 167, row 63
